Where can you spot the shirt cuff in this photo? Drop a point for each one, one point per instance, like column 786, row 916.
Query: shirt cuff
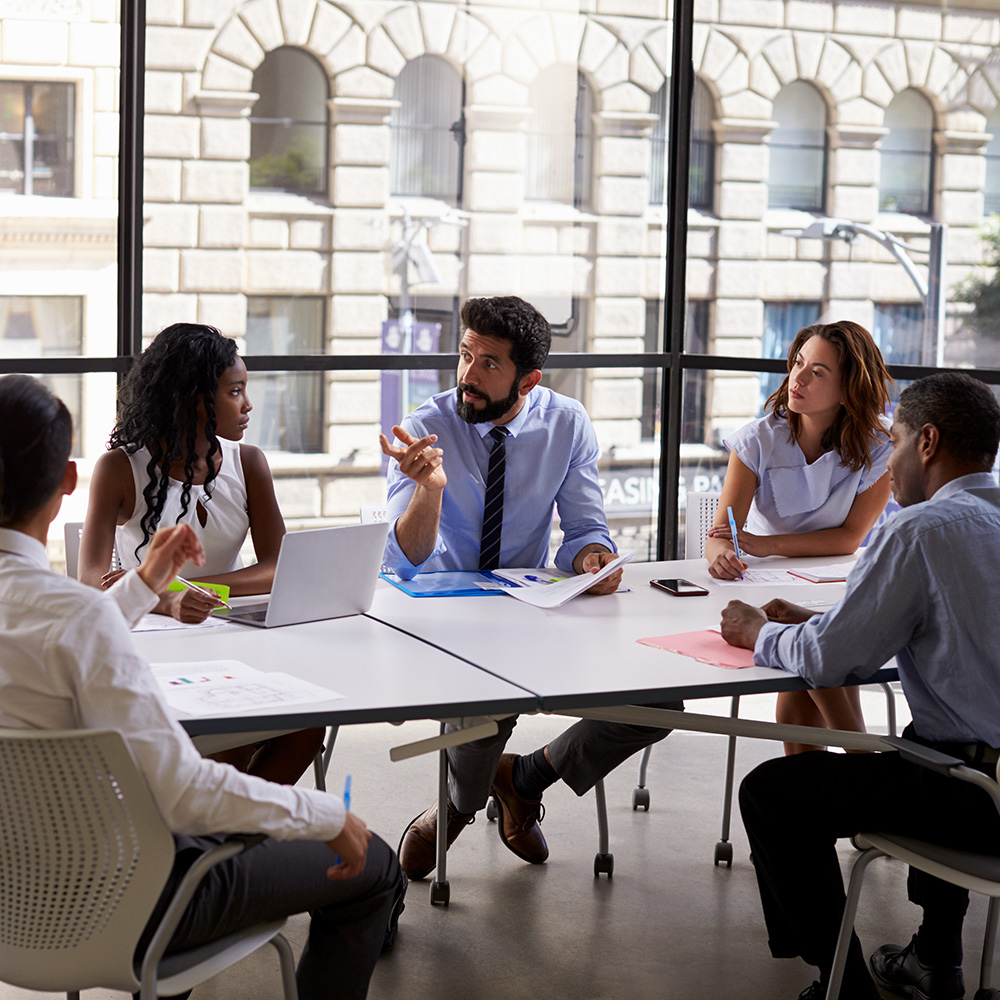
column 765, row 650
column 133, row 597
column 568, row 551
column 395, row 559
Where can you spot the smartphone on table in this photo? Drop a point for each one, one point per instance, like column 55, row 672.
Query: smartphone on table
column 679, row 588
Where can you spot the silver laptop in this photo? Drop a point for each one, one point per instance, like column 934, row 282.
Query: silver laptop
column 322, row 573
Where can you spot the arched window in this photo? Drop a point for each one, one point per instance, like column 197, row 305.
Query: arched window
column 701, row 178
column 288, row 127
column 907, row 155
column 991, row 192
column 560, row 138
column 428, row 131
column 798, row 147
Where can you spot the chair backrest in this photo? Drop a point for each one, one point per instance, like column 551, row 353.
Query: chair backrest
column 85, row 855
column 701, row 508
column 72, row 533
column 72, row 530
column 373, row 514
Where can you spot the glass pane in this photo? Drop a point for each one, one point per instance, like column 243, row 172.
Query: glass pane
column 904, row 182
column 427, row 131
column 12, row 113
column 797, row 149
column 288, row 133
column 58, row 196
column 53, row 140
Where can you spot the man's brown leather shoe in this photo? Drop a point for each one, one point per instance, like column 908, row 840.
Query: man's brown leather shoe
column 418, row 848
column 517, row 817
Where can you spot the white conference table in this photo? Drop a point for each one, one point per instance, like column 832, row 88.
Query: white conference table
column 586, row 654
column 383, row 674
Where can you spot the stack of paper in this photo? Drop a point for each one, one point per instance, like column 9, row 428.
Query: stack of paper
column 543, row 589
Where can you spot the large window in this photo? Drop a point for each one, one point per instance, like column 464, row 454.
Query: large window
column 289, row 151
column 37, row 128
column 906, row 177
column 288, row 136
column 428, row 131
column 560, row 138
column 798, row 149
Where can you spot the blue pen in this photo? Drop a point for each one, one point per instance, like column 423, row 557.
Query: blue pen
column 736, row 541
column 347, row 805
column 538, row 579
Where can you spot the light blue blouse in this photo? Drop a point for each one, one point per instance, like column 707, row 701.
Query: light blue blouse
column 792, row 495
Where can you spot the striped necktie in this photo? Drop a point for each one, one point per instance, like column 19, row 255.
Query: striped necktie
column 489, row 547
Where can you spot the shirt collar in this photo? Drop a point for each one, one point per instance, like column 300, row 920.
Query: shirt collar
column 20, row 544
column 974, row 481
column 514, row 427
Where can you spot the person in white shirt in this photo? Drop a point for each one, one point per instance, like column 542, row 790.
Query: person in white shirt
column 67, row 661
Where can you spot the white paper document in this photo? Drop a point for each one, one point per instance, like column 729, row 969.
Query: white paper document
column 549, row 589
column 162, row 623
column 779, row 577
column 229, row 687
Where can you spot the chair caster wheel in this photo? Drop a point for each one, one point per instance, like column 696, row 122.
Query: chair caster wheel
column 724, row 853
column 640, row 799
column 491, row 810
column 604, row 864
column 440, row 893
column 855, row 844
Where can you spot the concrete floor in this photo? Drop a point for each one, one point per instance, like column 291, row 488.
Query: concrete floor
column 669, row 924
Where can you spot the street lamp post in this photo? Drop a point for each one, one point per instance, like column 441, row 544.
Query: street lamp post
column 931, row 291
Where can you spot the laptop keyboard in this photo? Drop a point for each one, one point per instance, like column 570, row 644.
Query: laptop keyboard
column 254, row 616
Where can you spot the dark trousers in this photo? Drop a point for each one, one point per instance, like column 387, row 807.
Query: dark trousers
column 581, row 755
column 795, row 808
column 277, row 878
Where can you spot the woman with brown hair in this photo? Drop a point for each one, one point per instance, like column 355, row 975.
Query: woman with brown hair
column 808, row 479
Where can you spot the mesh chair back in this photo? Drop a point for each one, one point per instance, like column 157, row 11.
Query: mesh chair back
column 701, row 508
column 72, row 533
column 85, row 855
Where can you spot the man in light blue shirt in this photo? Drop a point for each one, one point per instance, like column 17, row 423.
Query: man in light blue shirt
column 925, row 592
column 444, row 520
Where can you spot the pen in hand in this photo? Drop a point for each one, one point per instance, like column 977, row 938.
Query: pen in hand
column 736, row 541
column 202, row 590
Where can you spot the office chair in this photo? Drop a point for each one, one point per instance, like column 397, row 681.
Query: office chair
column 973, row 871
column 86, row 856
column 72, row 533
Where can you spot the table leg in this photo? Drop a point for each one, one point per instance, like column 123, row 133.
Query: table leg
column 440, row 890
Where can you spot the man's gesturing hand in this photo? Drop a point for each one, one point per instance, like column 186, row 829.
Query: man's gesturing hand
column 417, row 460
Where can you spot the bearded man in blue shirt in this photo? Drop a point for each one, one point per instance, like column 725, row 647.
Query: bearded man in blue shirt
column 515, row 452
column 924, row 591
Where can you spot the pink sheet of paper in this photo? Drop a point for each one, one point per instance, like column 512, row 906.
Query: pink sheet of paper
column 705, row 647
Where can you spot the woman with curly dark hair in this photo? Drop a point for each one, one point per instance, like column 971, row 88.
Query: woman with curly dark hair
column 175, row 457
column 809, row 479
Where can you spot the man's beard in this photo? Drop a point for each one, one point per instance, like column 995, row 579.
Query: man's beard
column 494, row 408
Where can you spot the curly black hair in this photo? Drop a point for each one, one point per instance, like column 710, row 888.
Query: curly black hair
column 158, row 409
